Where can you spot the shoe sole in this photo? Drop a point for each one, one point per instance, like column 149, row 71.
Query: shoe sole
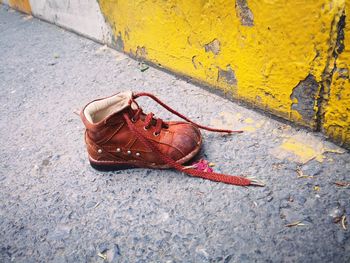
column 115, row 166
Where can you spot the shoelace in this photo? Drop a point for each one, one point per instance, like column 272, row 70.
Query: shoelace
column 224, row 178
column 148, row 121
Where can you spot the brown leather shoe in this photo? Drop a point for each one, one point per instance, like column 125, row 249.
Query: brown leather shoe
column 112, row 145
column 119, row 135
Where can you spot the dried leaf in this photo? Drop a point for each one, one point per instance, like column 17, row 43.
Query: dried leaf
column 342, row 183
column 297, row 223
column 302, row 175
column 317, row 188
column 103, row 256
column 343, row 222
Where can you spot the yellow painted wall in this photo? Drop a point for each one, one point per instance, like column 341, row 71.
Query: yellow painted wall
column 259, row 61
column 336, row 122
column 21, row 5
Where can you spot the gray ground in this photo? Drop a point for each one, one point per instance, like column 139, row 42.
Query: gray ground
column 55, row 207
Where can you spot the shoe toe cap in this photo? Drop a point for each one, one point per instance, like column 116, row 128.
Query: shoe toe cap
column 186, row 140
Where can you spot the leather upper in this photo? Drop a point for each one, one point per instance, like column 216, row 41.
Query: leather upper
column 110, row 139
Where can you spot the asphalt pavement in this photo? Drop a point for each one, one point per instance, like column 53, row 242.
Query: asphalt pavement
column 55, row 208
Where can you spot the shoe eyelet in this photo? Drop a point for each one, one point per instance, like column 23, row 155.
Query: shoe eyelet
column 156, row 134
column 133, row 120
column 145, row 128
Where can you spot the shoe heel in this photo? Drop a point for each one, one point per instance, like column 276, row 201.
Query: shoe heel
column 114, row 167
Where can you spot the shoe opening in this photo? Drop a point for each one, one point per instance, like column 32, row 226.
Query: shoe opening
column 98, row 110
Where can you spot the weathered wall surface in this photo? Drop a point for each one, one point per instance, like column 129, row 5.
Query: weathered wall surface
column 83, row 17
column 290, row 58
column 336, row 99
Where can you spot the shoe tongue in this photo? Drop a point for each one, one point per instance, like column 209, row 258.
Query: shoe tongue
column 98, row 110
column 130, row 108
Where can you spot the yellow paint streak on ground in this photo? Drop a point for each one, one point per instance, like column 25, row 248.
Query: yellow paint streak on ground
column 260, row 64
column 337, row 113
column 249, row 120
column 21, row 5
column 228, row 120
column 260, row 124
column 248, row 129
column 302, row 148
column 304, row 152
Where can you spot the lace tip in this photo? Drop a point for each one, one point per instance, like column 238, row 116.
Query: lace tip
column 256, row 182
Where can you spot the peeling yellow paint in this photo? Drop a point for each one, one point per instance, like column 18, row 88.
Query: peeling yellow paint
column 21, row 5
column 286, row 41
column 336, row 121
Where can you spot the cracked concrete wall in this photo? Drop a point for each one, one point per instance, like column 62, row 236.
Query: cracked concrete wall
column 289, row 58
